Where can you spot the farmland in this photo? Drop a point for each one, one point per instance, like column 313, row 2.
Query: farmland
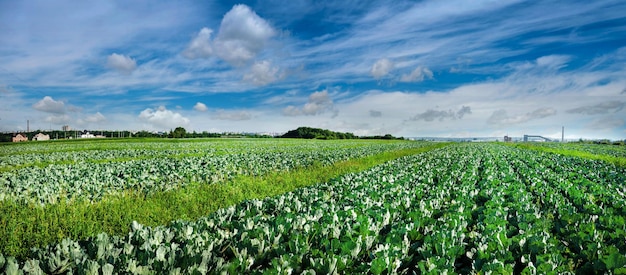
column 459, row 208
column 58, row 190
column 89, row 171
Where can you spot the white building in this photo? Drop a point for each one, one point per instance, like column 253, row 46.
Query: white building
column 87, row 135
column 41, row 137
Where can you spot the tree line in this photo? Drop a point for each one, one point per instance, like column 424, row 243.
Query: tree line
column 317, row 133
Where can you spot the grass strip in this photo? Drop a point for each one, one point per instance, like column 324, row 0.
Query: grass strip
column 574, row 153
column 24, row 226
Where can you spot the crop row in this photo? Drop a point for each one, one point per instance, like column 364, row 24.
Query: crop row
column 41, row 154
column 596, row 149
column 94, row 178
column 465, row 208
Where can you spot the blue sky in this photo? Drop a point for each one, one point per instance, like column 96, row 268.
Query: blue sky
column 408, row 68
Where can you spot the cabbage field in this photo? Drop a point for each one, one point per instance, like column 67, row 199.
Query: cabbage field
column 468, row 208
column 46, row 173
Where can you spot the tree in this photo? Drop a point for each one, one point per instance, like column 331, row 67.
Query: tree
column 179, row 132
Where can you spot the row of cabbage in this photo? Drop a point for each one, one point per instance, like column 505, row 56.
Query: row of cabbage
column 41, row 154
column 596, row 149
column 469, row 208
column 94, row 178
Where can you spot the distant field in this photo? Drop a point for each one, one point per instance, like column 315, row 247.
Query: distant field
column 611, row 153
column 314, row 207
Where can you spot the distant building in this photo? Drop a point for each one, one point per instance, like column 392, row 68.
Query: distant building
column 41, row 137
column 19, row 138
column 66, row 128
column 508, row 139
column 87, row 135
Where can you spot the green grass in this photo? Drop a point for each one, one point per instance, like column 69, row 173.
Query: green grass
column 574, row 153
column 24, row 226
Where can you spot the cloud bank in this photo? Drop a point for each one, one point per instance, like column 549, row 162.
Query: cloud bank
column 600, row 108
column 501, row 117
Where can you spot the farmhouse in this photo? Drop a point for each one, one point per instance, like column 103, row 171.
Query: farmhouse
column 19, row 138
column 41, row 137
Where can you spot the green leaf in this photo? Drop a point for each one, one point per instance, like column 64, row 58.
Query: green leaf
column 378, row 266
column 614, row 260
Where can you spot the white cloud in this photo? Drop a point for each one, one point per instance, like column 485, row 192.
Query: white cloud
column 381, row 68
column 49, row 105
column 262, row 73
column 200, row 107
column 242, row 35
column 200, row 46
column 500, row 117
column 319, row 102
column 417, row 75
column 231, row 115
column 163, row 118
column 121, row 63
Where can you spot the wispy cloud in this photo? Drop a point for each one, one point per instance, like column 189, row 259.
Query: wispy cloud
column 600, row 108
column 501, row 117
column 432, row 115
column 417, row 75
column 231, row 115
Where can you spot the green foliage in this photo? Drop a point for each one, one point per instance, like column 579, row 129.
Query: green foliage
column 179, row 132
column 166, row 180
column 604, row 152
column 467, row 208
column 90, row 171
column 316, row 133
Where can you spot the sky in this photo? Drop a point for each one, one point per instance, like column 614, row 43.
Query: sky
column 429, row 68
